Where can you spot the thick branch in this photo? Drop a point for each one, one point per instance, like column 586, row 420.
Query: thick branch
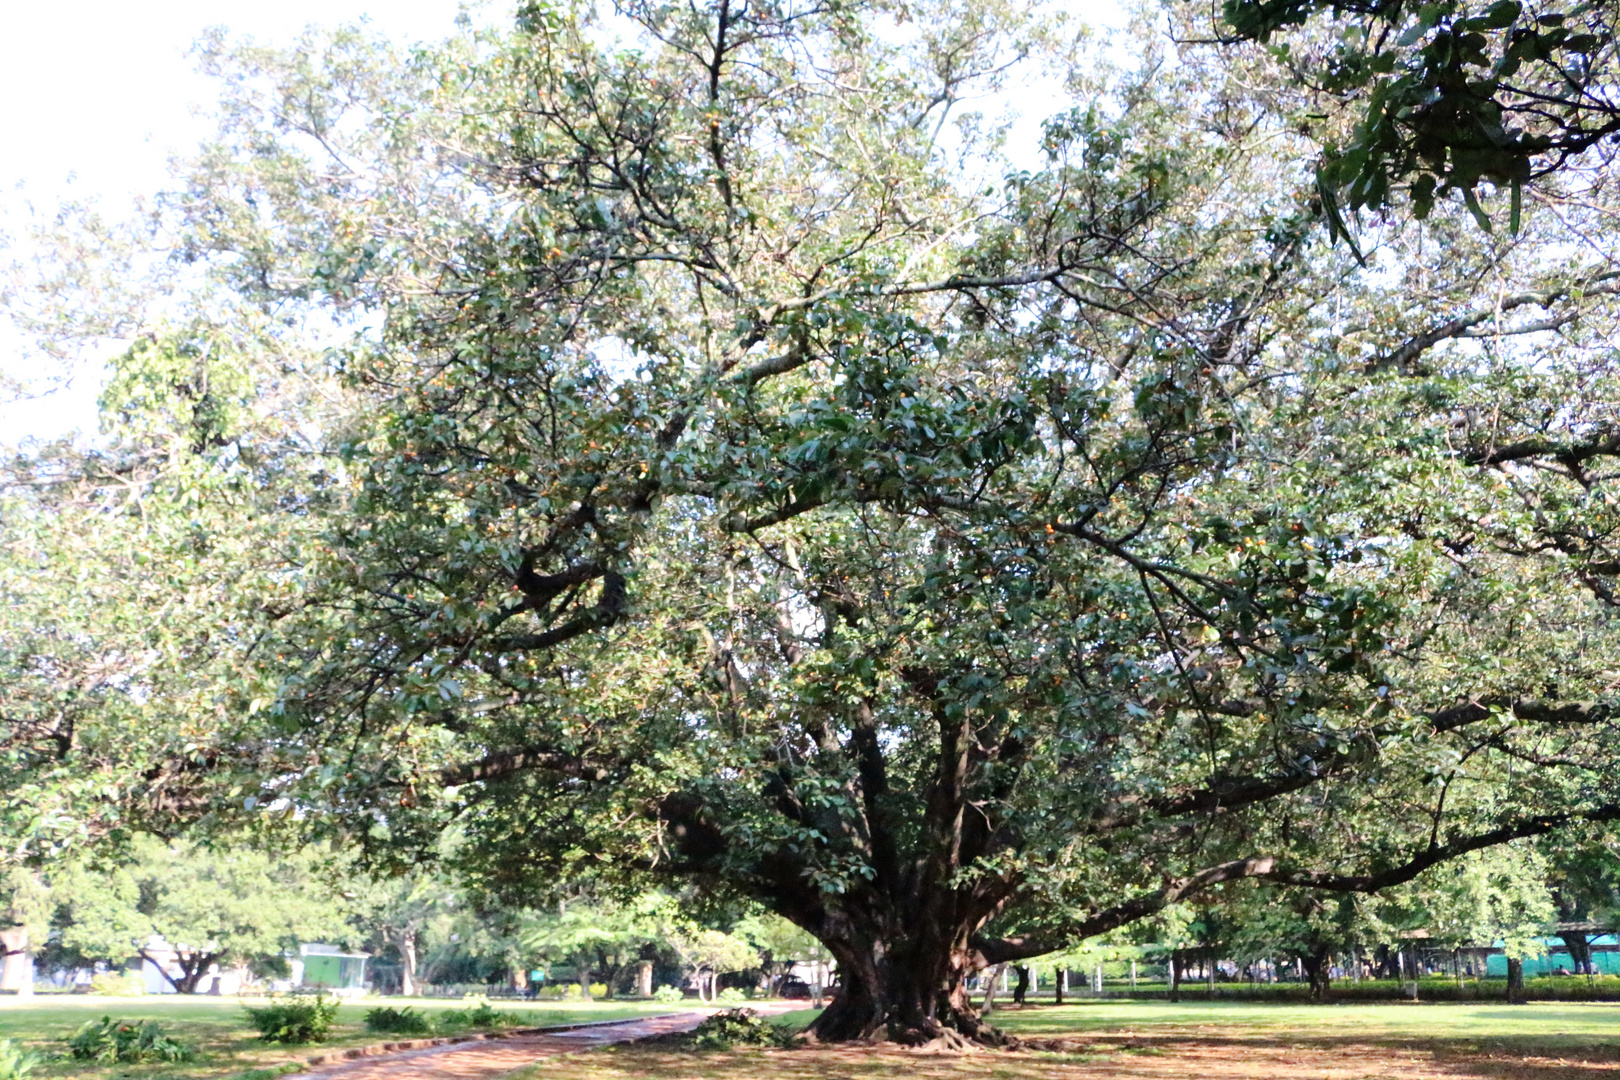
column 1266, row 868
column 526, row 759
column 1401, row 359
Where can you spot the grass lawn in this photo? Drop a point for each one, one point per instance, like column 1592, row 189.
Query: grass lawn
column 1117, row 1040
column 228, row 1045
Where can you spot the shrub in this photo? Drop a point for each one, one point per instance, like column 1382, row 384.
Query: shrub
column 300, row 1019
column 109, row 1040
column 481, row 1017
column 15, row 1062
column 738, row 1027
column 274, row 1072
column 117, row 984
column 391, row 1021
column 669, row 995
column 730, row 996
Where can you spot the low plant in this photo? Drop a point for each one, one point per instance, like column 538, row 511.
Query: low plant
column 15, row 1062
column 274, row 1072
column 299, row 1019
column 117, row 984
column 738, row 1027
column 668, row 995
column 481, row 1017
column 108, row 1040
column 387, row 1020
column 730, row 996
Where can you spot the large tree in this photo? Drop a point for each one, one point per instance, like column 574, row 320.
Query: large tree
column 759, row 489
column 187, row 909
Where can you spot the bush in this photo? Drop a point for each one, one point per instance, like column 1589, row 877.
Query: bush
column 730, row 996
column 15, row 1062
column 117, row 984
column 111, row 1041
column 669, row 995
column 391, row 1021
column 738, row 1027
column 481, row 1017
column 300, row 1019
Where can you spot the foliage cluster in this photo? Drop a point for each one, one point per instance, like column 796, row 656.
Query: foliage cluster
column 114, row 1041
column 116, row 984
column 738, row 1027
column 389, row 1020
column 297, row 1019
column 15, row 1062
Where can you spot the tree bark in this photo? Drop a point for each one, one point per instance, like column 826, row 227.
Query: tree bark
column 193, row 966
column 1580, row 950
column 912, row 1004
column 16, row 961
column 407, row 963
column 1175, row 975
column 1515, row 981
column 1316, row 969
column 1021, row 991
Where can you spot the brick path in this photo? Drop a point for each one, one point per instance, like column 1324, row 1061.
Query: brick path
column 488, row 1058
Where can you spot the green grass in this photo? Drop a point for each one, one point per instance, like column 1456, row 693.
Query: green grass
column 1487, row 1027
column 228, row 1045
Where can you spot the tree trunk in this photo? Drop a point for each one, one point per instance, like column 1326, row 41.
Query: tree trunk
column 1316, row 969
column 192, row 970
column 16, row 962
column 585, row 982
column 1175, row 975
column 1580, row 950
column 1060, row 977
column 407, row 963
column 907, row 993
column 1515, row 981
column 644, row 975
column 1021, row 991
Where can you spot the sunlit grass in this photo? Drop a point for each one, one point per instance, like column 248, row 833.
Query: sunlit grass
column 227, row 1044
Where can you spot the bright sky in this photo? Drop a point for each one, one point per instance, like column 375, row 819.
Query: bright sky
column 98, row 94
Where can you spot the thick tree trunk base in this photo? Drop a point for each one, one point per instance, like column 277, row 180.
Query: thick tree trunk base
column 952, row 1025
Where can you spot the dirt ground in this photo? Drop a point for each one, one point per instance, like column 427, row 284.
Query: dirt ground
column 1150, row 1058
column 1204, row 1052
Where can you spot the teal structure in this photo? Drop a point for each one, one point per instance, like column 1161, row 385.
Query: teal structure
column 1605, row 957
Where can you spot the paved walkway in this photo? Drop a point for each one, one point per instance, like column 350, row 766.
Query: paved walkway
column 488, row 1058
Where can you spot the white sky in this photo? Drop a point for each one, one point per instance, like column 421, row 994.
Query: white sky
column 99, row 93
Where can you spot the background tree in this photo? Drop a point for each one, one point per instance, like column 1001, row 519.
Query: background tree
column 224, row 907
column 397, row 912
column 780, row 945
column 706, row 954
column 599, row 936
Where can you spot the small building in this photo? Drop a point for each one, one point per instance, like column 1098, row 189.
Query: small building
column 327, row 967
column 1605, row 958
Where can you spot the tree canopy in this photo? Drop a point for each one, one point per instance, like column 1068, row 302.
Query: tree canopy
column 722, row 475
column 1454, row 96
